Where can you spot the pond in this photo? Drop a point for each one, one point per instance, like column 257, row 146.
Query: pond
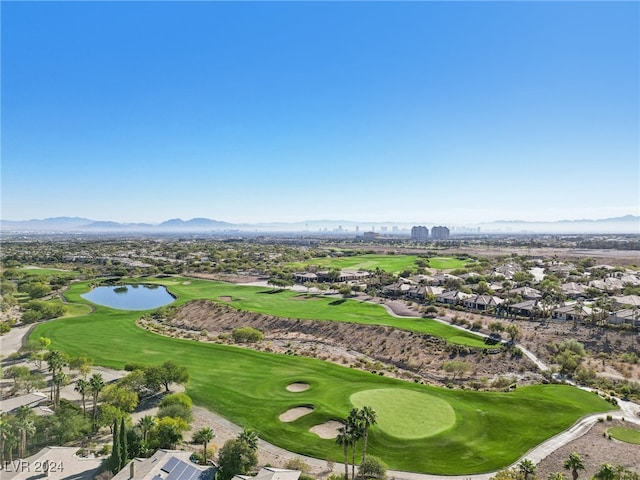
column 130, row 297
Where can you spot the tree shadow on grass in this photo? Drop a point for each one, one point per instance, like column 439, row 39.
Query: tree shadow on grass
column 338, row 302
column 272, row 291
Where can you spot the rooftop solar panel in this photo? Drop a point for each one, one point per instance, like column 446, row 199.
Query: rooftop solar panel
column 170, row 465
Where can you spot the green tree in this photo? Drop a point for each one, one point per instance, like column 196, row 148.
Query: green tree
column 82, row 387
column 574, row 463
column 168, row 432
column 122, row 440
column 121, row 397
column 170, row 373
column 356, row 427
column 204, row 436
column 344, row 440
column 557, row 476
column 236, row 457
column 527, row 468
column 456, row 367
column 146, row 424
column 96, row 384
column 116, row 455
column 368, row 418
column 606, row 472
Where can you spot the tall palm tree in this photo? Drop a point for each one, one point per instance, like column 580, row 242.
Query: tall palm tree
column 82, row 387
column 145, row 424
column 96, row 384
column 355, row 427
column 56, row 361
column 5, row 431
column 574, row 463
column 527, row 468
column 368, row 418
column 204, row 436
column 59, row 379
column 25, row 427
column 344, row 439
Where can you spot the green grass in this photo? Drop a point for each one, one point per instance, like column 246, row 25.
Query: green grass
column 49, row 272
column 491, row 430
column 388, row 263
column 290, row 304
column 406, row 414
column 447, row 263
column 628, row 435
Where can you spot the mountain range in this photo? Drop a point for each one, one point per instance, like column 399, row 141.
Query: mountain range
column 629, row 224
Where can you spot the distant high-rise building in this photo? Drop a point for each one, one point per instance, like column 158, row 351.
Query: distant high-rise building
column 419, row 234
column 439, row 233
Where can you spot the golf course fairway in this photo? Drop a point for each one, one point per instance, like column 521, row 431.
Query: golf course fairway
column 485, row 432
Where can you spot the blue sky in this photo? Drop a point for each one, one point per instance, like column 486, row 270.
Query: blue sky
column 448, row 112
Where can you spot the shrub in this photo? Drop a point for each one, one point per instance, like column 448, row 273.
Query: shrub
column 247, row 335
column 298, row 464
column 373, row 467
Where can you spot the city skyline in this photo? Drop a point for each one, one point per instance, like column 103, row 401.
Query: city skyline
column 459, row 112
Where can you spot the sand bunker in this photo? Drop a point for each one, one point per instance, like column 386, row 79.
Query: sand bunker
column 298, row 387
column 327, row 430
column 295, row 413
column 225, row 299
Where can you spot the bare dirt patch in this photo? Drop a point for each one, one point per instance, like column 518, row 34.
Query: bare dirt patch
column 594, row 449
column 327, row 430
column 298, row 387
column 294, row 414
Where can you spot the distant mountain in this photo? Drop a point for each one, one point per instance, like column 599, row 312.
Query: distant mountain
column 194, row 223
column 625, row 224
column 47, row 224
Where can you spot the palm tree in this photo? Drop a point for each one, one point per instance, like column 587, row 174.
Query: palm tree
column 574, row 463
column 5, row 431
column 25, row 427
column 527, row 468
column 344, row 439
column 557, row 476
column 204, row 436
column 82, row 387
column 145, row 424
column 96, row 384
column 368, row 418
column 355, row 427
column 56, row 361
column 606, row 472
column 250, row 437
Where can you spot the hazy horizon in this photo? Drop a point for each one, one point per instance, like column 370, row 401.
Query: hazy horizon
column 454, row 112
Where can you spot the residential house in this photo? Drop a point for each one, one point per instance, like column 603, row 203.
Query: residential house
column 482, row 302
column 571, row 312
column 628, row 316
column 527, row 293
column 271, row 473
column 453, row 297
column 165, row 465
column 573, row 290
column 630, row 300
column 525, row 309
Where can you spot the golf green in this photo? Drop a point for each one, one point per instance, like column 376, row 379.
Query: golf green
column 628, row 435
column 407, row 414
